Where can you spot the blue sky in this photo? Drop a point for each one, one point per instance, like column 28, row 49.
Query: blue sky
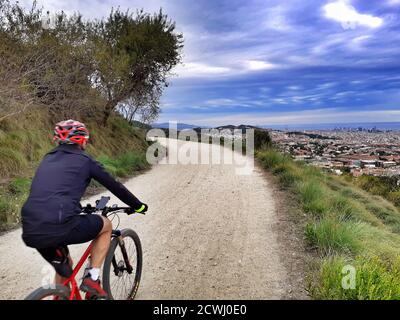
column 277, row 62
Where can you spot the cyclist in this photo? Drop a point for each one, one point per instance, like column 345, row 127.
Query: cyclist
column 51, row 216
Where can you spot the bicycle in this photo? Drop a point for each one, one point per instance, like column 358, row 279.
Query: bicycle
column 117, row 264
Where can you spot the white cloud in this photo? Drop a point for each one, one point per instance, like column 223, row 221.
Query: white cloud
column 359, row 39
column 255, row 65
column 198, row 69
column 394, row 2
column 357, row 42
column 356, row 81
column 280, row 100
column 346, row 14
column 294, row 88
column 221, row 102
column 225, row 102
column 325, row 86
column 229, row 67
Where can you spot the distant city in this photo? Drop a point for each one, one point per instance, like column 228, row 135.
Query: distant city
column 382, row 126
column 354, row 148
column 358, row 151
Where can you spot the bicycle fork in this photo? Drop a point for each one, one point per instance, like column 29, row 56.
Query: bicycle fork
column 120, row 268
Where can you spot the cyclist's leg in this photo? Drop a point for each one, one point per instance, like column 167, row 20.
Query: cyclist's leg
column 96, row 228
column 60, row 259
column 91, row 283
column 59, row 279
column 101, row 244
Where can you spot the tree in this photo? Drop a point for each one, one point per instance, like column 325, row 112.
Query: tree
column 133, row 56
column 78, row 68
column 262, row 139
column 39, row 66
column 143, row 105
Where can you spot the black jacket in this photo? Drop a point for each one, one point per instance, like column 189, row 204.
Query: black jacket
column 57, row 188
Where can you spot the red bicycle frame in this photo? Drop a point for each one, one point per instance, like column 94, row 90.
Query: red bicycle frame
column 75, row 294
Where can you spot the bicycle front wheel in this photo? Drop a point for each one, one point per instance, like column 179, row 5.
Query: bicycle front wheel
column 123, row 266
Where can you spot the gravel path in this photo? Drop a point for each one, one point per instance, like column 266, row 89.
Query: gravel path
column 209, row 234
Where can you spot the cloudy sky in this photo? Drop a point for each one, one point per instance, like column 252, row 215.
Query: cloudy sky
column 277, row 62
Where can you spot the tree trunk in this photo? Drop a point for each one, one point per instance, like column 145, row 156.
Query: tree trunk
column 107, row 112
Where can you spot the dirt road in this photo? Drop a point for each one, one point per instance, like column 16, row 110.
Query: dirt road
column 209, row 234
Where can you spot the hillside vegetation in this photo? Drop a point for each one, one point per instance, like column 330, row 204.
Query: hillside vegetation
column 346, row 227
column 386, row 187
column 120, row 147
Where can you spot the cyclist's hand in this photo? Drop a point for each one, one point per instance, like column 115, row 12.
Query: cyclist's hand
column 141, row 209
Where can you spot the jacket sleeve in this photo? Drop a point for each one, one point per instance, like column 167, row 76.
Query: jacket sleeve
column 99, row 174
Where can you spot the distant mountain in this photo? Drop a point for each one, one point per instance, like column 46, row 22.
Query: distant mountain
column 180, row 126
column 185, row 126
column 232, row 127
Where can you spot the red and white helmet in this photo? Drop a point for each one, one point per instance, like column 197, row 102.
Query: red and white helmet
column 71, row 132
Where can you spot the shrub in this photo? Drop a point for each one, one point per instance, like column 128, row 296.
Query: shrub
column 124, row 164
column 11, row 161
column 394, row 197
column 375, row 279
column 19, row 186
column 352, row 193
column 331, row 235
column 5, row 210
column 288, row 178
column 313, row 197
column 342, row 207
column 317, row 207
column 271, row 158
column 388, row 216
column 262, row 139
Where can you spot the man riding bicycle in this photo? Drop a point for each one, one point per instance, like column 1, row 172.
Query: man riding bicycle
column 51, row 216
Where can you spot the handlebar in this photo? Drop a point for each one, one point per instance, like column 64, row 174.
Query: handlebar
column 101, row 206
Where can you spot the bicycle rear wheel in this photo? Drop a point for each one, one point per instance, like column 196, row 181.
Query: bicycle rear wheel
column 59, row 291
column 123, row 266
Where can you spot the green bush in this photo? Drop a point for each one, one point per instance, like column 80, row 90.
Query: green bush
column 317, row 207
column 375, row 279
column 381, row 186
column 11, row 160
column 287, row 178
column 388, row 216
column 5, row 210
column 313, row 197
column 124, row 164
column 271, row 158
column 262, row 139
column 19, row 186
column 394, row 197
column 330, row 235
column 342, row 207
column 352, row 193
